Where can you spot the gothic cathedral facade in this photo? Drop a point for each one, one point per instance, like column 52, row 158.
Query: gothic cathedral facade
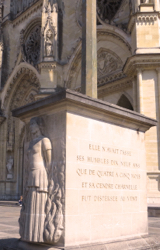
column 40, row 52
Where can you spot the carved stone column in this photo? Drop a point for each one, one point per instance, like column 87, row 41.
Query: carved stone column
column 135, row 103
column 137, row 3
column 49, row 67
column 157, row 88
column 89, row 48
column 139, row 91
column 156, row 5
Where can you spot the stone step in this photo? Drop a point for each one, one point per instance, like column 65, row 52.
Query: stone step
column 9, row 203
column 154, row 210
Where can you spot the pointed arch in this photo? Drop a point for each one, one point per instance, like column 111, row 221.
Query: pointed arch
column 124, row 102
column 15, row 81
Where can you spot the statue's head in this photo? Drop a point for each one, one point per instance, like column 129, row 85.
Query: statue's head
column 49, row 33
column 34, row 128
column 36, row 124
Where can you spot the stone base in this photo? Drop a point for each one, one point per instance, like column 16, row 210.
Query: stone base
column 139, row 243
column 154, row 211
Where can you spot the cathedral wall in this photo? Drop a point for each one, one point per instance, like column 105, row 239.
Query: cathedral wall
column 71, row 28
column 114, row 97
column 149, row 81
column 148, row 108
column 148, row 33
column 3, row 136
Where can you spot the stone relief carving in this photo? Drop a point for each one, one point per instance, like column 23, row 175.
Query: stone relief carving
column 43, row 191
column 9, row 166
column 110, row 78
column 11, row 134
column 49, row 43
column 21, row 88
column 50, row 29
column 109, row 67
column 108, row 62
column 32, row 46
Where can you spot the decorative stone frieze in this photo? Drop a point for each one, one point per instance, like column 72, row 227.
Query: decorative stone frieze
column 110, row 78
column 47, row 65
column 115, row 87
column 142, row 18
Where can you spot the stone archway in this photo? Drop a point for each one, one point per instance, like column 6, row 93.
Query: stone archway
column 22, row 90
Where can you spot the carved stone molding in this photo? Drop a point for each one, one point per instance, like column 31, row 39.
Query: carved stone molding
column 72, row 71
column 117, row 37
column 79, row 13
column 114, row 87
column 147, row 18
column 77, row 45
column 33, row 78
column 47, row 65
column 19, row 93
column 113, row 77
column 142, row 18
column 141, row 62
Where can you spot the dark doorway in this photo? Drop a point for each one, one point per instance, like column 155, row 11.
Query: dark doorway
column 125, row 103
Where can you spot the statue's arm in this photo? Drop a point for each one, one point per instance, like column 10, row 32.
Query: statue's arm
column 47, row 148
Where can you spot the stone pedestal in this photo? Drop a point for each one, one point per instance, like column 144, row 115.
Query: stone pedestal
column 99, row 160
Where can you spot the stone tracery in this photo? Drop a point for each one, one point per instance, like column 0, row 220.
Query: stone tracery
column 32, row 45
column 107, row 8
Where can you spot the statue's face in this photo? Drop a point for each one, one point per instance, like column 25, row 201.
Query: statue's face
column 34, row 127
column 49, row 34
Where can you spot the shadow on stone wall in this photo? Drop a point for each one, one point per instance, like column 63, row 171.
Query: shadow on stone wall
column 9, row 244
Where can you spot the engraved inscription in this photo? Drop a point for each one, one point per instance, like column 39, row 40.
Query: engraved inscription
column 113, row 178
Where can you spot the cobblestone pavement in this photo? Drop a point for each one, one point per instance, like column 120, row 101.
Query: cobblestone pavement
column 9, row 229
column 9, row 221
